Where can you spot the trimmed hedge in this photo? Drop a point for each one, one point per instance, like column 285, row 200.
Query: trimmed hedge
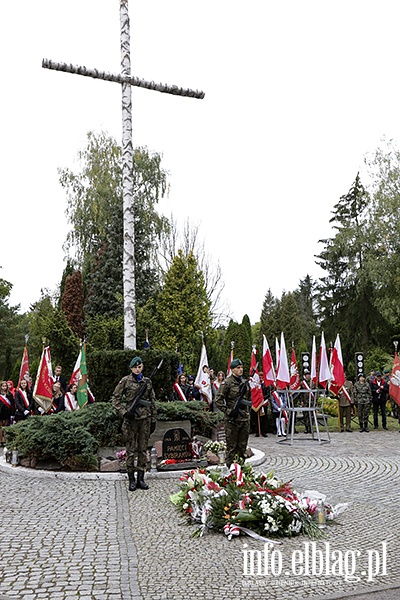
column 106, row 369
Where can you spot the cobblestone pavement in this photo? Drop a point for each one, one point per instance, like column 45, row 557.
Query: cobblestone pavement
column 91, row 539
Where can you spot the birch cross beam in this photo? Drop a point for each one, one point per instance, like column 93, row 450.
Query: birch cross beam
column 106, row 76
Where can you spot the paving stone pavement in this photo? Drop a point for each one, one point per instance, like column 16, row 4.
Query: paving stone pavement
column 92, row 539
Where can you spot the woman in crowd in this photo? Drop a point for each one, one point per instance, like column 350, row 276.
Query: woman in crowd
column 24, row 403
column 6, row 409
column 180, row 388
column 70, row 400
column 58, row 404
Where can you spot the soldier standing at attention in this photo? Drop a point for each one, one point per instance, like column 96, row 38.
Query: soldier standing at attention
column 362, row 400
column 237, row 417
column 137, row 425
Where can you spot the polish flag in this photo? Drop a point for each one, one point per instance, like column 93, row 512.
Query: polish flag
column 294, row 372
column 257, row 398
column 267, row 364
column 337, row 368
column 283, row 375
column 314, row 362
column 325, row 374
column 394, row 386
column 277, row 355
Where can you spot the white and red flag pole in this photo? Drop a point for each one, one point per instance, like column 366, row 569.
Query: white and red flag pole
column 324, row 371
column 230, row 359
column 283, row 375
column 202, row 380
column 269, row 375
column 257, row 397
column 314, row 377
column 337, row 368
column 294, row 383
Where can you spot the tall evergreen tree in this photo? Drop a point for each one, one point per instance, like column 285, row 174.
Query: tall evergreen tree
column 347, row 293
column 72, row 303
column 183, row 311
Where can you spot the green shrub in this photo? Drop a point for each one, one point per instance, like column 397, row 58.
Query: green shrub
column 71, row 438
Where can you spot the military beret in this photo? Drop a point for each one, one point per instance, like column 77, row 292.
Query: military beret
column 236, row 363
column 135, row 361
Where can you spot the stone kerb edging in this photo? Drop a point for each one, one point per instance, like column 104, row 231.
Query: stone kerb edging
column 257, row 459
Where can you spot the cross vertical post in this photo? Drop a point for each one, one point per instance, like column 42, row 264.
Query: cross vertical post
column 127, row 81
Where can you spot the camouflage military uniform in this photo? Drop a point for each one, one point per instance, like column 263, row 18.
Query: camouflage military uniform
column 136, row 432
column 237, row 430
column 362, row 399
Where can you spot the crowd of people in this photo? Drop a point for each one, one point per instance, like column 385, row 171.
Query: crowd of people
column 17, row 404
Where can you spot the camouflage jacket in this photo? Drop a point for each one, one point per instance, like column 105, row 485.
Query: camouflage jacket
column 126, row 391
column 227, row 395
column 362, row 392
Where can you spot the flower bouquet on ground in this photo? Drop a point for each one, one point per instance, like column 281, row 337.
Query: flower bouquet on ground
column 239, row 500
column 121, row 456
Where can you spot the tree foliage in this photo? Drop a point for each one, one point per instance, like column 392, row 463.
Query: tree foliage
column 182, row 310
column 94, row 209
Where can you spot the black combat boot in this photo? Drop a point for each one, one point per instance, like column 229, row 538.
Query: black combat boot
column 132, row 482
column 140, row 481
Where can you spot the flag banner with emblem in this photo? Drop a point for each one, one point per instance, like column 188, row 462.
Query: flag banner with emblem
column 294, row 383
column 42, row 392
column 24, row 370
column 324, row 371
column 82, row 393
column 202, row 380
column 267, row 364
column 283, row 375
column 257, row 397
column 337, row 368
column 394, row 385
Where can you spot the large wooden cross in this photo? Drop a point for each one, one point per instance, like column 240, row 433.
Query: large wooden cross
column 126, row 81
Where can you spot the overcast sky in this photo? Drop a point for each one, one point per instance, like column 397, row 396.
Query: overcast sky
column 296, row 94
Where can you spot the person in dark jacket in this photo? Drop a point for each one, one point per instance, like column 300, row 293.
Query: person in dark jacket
column 24, row 403
column 380, row 391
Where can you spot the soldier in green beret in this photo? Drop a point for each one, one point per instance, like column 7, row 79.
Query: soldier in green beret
column 234, row 399
column 137, row 425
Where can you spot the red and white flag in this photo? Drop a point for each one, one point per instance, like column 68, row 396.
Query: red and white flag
column 283, row 375
column 325, row 374
column 267, row 364
column 294, row 372
column 76, row 373
column 313, row 373
column 257, row 397
column 230, row 359
column 42, row 392
column 202, row 380
column 24, row 370
column 337, row 368
column 277, row 355
column 394, row 385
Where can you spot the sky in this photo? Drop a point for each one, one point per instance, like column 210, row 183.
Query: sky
column 296, row 94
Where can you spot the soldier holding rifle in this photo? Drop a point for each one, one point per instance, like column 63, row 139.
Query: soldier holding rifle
column 234, row 399
column 134, row 399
